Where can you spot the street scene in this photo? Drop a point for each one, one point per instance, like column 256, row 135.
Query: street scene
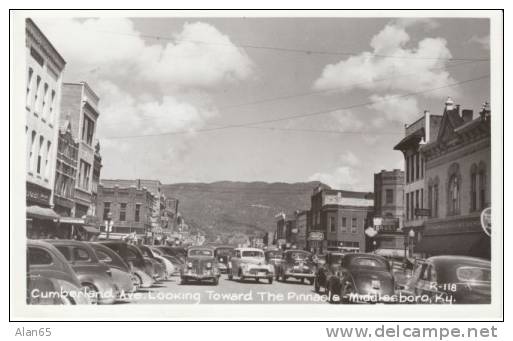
column 257, row 160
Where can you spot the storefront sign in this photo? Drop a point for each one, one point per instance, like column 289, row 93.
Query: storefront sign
column 315, row 236
column 37, row 194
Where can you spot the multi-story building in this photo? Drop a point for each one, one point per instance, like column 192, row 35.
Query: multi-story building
column 43, row 93
column 130, row 207
column 281, row 229
column 65, row 172
column 300, row 227
column 388, row 212
column 458, row 184
column 420, row 132
column 340, row 217
column 80, row 104
column 169, row 215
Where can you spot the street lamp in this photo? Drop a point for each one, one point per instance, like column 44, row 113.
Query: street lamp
column 108, row 224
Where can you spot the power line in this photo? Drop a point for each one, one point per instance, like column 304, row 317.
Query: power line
column 311, row 114
column 304, row 94
column 286, row 49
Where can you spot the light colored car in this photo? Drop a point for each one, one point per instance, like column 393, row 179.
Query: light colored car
column 250, row 263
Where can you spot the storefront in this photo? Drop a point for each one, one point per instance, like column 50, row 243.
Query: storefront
column 41, row 219
column 315, row 241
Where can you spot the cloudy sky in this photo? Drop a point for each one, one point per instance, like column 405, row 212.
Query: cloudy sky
column 183, row 99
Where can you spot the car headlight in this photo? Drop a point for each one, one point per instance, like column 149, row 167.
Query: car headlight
column 209, row 265
column 189, row 265
column 244, row 266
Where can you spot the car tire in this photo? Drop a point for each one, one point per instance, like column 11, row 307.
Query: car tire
column 183, row 281
column 346, row 289
column 270, row 280
column 257, row 280
column 311, row 281
column 139, row 281
column 241, row 278
column 92, row 292
column 216, row 281
column 283, row 278
column 302, row 281
column 333, row 293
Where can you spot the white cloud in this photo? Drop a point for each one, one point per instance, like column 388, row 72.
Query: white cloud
column 483, row 42
column 198, row 56
column 410, row 69
column 349, row 159
column 428, row 23
column 394, row 108
column 342, row 177
column 347, row 121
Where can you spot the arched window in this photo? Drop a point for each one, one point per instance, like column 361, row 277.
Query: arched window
column 32, row 150
column 482, row 185
column 453, row 190
column 29, row 86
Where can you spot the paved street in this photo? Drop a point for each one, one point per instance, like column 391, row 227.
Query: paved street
column 228, row 291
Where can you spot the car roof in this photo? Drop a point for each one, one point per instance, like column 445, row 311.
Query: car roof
column 249, row 249
column 441, row 260
column 70, row 242
column 296, row 250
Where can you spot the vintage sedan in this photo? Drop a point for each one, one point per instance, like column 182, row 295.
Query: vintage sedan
column 95, row 277
column 223, row 255
column 122, row 273
column 361, row 278
column 296, row 264
column 330, row 264
column 175, row 261
column 250, row 263
column 159, row 267
column 50, row 278
column 200, row 265
column 450, row 280
column 274, row 257
column 143, row 270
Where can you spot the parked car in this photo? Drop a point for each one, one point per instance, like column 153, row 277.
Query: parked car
column 176, row 263
column 361, row 278
column 200, row 265
column 142, row 269
column 158, row 267
column 122, row 273
column 273, row 257
column 223, row 255
column 176, row 251
column 296, row 264
column 95, row 277
column 50, row 278
column 250, row 263
column 328, row 264
column 450, row 280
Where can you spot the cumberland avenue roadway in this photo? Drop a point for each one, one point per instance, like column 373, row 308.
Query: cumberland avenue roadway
column 227, row 291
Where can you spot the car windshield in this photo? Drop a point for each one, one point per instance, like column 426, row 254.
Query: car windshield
column 299, row 256
column 256, row 254
column 146, row 252
column 335, row 259
column 200, row 252
column 369, row 262
column 274, row 254
column 473, row 274
column 224, row 252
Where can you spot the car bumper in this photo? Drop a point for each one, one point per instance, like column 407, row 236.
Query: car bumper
column 257, row 275
column 195, row 277
column 297, row 275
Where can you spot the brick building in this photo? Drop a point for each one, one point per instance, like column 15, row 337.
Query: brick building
column 388, row 213
column 300, row 228
column 420, row 132
column 340, row 217
column 80, row 106
column 44, row 67
column 458, row 184
column 131, row 207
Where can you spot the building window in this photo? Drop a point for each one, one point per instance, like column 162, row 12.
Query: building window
column 333, row 226
column 44, row 100
column 454, row 195
column 32, row 150
column 412, row 206
column 473, row 188
column 106, row 210
column 40, row 155
column 344, row 224
column 482, row 187
column 416, row 202
column 430, row 199
column 422, row 198
column 137, row 212
column 47, row 159
column 389, row 196
column 87, row 130
column 84, row 175
column 52, row 104
column 417, row 166
column 354, row 225
column 29, row 86
column 37, row 105
column 435, row 200
column 122, row 211
column 407, row 206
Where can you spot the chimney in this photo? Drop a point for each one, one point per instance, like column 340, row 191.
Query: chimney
column 427, row 125
column 467, row 115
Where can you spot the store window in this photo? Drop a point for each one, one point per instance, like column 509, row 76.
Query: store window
column 137, row 212
column 122, row 211
column 389, row 196
column 354, row 224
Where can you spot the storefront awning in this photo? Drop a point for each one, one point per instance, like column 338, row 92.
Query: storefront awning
column 91, row 229
column 470, row 244
column 42, row 213
column 71, row 220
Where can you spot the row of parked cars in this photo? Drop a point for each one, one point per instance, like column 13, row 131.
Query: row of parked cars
column 75, row 272
column 348, row 277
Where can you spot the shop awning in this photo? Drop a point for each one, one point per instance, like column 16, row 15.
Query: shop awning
column 470, row 244
column 71, row 220
column 42, row 213
column 91, row 229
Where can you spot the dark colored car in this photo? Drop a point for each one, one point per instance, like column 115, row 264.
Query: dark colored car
column 296, row 264
column 158, row 267
column 274, row 257
column 223, row 255
column 122, row 273
column 200, row 265
column 50, row 278
column 95, row 277
column 143, row 269
column 330, row 263
column 176, row 251
column 177, row 262
column 450, row 280
column 361, row 278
